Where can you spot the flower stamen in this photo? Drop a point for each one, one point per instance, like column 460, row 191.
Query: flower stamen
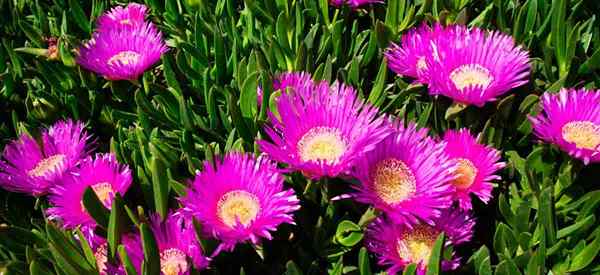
column 393, row 181
column 416, row 245
column 46, row 165
column 238, row 206
column 585, row 134
column 173, row 262
column 322, row 144
column 124, row 58
column 466, row 172
column 471, row 75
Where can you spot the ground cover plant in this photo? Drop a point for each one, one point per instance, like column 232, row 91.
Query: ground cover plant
column 299, row 137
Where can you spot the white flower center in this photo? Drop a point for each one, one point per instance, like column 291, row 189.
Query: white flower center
column 173, row 262
column 238, row 206
column 465, row 174
column 101, row 258
column 322, row 143
column 585, row 134
column 124, row 58
column 46, row 165
column 470, row 75
column 416, row 245
column 393, row 181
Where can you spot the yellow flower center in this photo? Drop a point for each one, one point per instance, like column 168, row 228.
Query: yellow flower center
column 421, row 64
column 173, row 262
column 47, row 165
column 238, row 206
column 585, row 134
column 101, row 258
column 322, row 143
column 465, row 174
column 124, row 58
column 393, row 181
column 104, row 191
column 416, row 245
column 125, row 22
column 471, row 75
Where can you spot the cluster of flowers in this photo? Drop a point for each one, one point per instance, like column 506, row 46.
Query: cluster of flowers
column 61, row 166
column 470, row 66
column 475, row 66
column 240, row 199
column 124, row 44
column 421, row 185
column 325, row 130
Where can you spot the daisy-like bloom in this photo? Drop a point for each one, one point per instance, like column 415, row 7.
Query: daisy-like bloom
column 410, row 57
column 132, row 16
column 571, row 120
column 240, row 199
column 407, row 176
column 398, row 245
column 290, row 80
column 474, row 66
column 353, row 3
column 103, row 174
column 122, row 53
column 477, row 164
column 32, row 168
column 322, row 130
column 176, row 243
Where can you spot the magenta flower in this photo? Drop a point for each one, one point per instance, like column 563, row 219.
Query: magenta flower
column 286, row 80
column 176, row 243
column 240, row 199
column 322, row 130
column 132, row 16
column 134, row 250
column 571, row 120
column 407, row 176
column 353, row 3
column 103, row 174
column 122, row 53
column 398, row 245
column 410, row 57
column 100, row 249
column 474, row 66
column 32, row 168
column 477, row 164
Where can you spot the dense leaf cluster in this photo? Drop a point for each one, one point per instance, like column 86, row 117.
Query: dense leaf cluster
column 200, row 101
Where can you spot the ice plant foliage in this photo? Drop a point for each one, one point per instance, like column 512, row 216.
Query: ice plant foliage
column 103, row 174
column 570, row 119
column 176, row 243
column 407, row 176
column 33, row 168
column 130, row 17
column 476, row 166
column 475, row 66
column 241, row 199
column 322, row 130
column 398, row 245
column 122, row 53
